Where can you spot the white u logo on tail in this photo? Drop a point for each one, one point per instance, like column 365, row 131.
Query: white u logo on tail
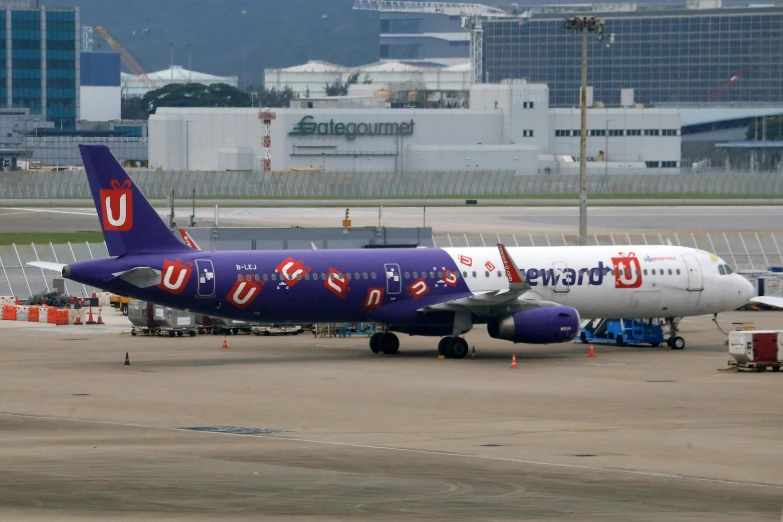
column 180, row 278
column 243, row 300
column 123, row 211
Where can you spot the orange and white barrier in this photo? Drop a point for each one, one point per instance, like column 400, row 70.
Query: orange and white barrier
column 32, row 314
column 7, row 300
column 43, row 314
column 9, row 312
column 22, row 313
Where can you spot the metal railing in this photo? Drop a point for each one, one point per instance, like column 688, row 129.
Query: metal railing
column 154, row 184
column 743, row 251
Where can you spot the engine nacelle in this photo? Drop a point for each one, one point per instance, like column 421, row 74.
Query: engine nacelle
column 550, row 324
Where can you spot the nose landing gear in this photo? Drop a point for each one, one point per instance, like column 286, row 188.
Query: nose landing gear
column 675, row 342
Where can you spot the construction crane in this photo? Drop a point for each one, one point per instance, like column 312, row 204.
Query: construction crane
column 132, row 65
column 727, row 85
column 472, row 16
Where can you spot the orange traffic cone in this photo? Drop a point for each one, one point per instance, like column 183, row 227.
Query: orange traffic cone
column 225, row 343
column 514, row 361
column 78, row 319
column 592, row 351
column 127, row 360
column 100, row 319
column 473, row 356
column 90, row 320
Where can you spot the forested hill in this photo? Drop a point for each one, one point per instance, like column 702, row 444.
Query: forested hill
column 271, row 33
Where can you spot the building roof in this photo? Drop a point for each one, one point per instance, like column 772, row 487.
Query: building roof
column 392, row 66
column 750, row 145
column 316, row 66
column 461, row 67
column 699, row 116
column 179, row 74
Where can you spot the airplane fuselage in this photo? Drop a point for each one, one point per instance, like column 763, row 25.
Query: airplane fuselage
column 390, row 285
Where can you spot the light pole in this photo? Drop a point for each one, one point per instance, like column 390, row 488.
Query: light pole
column 585, row 25
column 606, row 152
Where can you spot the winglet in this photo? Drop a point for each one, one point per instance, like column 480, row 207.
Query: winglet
column 513, row 274
column 187, row 239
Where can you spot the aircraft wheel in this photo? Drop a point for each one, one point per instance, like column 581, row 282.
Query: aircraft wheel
column 677, row 343
column 389, row 343
column 375, row 341
column 442, row 345
column 619, row 340
column 172, row 334
column 180, row 334
column 192, row 333
column 776, row 368
column 457, row 348
column 133, row 333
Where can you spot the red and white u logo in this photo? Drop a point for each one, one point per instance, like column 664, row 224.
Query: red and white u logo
column 337, row 283
column 418, row 288
column 117, row 206
column 175, row 276
column 243, row 293
column 374, row 298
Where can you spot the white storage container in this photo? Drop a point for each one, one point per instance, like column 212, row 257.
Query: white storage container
column 756, row 346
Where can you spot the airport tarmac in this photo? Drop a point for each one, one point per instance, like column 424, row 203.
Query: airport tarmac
column 443, row 220
column 333, row 432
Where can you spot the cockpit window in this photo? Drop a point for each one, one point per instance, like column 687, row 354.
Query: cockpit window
column 721, row 270
column 728, row 269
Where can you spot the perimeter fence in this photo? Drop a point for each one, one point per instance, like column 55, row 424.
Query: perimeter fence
column 743, row 251
column 154, row 184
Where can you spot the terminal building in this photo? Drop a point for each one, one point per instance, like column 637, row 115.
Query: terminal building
column 509, row 126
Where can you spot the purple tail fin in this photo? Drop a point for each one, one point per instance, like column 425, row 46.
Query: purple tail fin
column 130, row 224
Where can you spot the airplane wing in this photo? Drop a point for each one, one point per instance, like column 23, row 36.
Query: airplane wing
column 776, row 302
column 507, row 300
column 141, row 276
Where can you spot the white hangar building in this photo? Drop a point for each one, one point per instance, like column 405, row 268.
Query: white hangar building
column 508, row 126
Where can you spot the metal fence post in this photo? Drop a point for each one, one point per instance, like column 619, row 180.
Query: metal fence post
column 21, row 267
column 35, row 250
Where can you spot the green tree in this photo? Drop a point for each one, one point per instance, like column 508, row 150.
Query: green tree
column 195, row 95
column 774, row 130
column 263, row 97
column 341, row 89
column 133, row 108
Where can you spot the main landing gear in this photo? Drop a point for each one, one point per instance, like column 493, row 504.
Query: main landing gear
column 385, row 342
column 453, row 347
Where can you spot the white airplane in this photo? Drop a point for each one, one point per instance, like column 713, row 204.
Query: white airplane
column 640, row 281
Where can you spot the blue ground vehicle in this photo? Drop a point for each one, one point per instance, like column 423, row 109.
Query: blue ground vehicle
column 628, row 331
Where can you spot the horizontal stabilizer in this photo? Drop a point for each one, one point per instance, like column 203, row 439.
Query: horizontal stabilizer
column 776, row 302
column 46, row 265
column 141, row 276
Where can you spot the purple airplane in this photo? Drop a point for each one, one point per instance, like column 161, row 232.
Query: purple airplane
column 418, row 291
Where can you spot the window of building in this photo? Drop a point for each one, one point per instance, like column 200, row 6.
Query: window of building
column 576, row 132
column 597, row 132
column 527, row 105
column 560, row 133
column 669, row 132
column 633, row 132
column 527, row 133
column 652, row 164
column 669, row 164
column 615, row 132
column 652, row 132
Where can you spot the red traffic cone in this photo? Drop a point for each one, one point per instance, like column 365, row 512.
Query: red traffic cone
column 78, row 318
column 90, row 320
column 127, row 360
column 473, row 356
column 100, row 319
column 514, row 361
column 225, row 343
column 592, row 351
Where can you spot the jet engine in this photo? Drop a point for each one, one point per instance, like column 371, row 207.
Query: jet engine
column 544, row 325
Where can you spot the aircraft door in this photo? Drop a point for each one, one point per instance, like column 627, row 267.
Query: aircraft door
column 559, row 267
column 695, row 277
column 206, row 277
column 393, row 278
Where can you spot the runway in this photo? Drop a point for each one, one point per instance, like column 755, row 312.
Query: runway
column 443, row 220
column 303, row 428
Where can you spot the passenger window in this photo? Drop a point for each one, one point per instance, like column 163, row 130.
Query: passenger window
column 315, row 276
column 347, row 276
column 373, row 275
column 670, row 271
column 257, row 277
column 323, row 276
column 415, row 275
column 486, row 274
column 653, row 271
column 356, row 275
column 307, row 277
column 628, row 273
column 432, row 275
column 720, row 270
column 266, row 277
column 274, row 277
column 474, row 274
column 500, row 274
column 440, row 274
column 364, row 275
column 678, row 271
column 645, row 272
column 464, row 274
column 239, row 277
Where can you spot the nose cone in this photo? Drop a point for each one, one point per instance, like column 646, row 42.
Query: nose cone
column 746, row 290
